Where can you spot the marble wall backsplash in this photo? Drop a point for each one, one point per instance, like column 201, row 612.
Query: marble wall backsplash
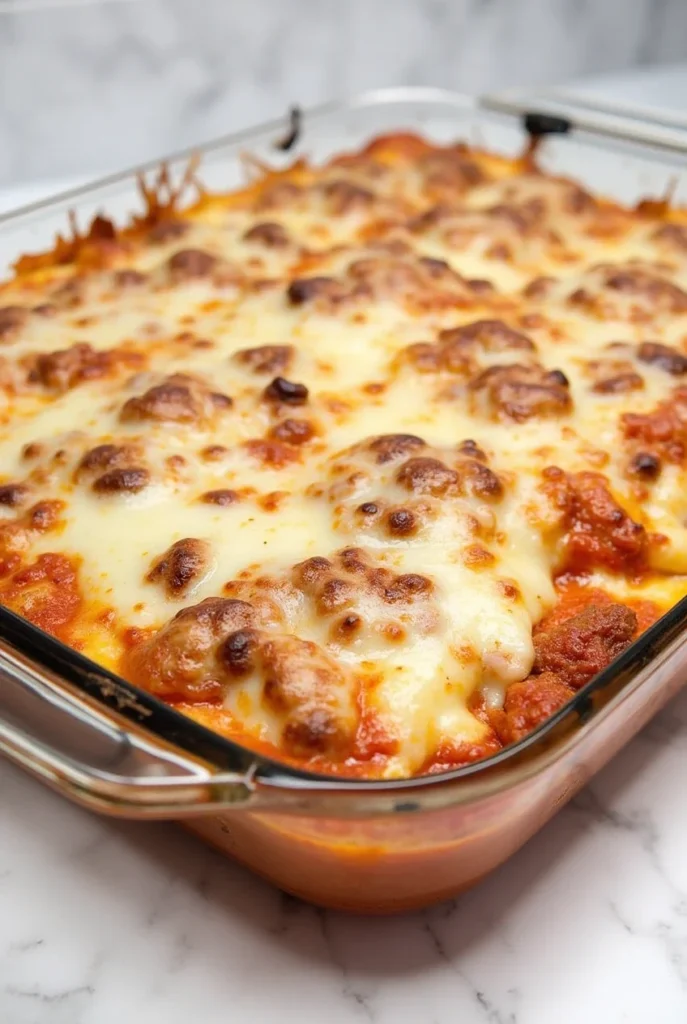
column 91, row 88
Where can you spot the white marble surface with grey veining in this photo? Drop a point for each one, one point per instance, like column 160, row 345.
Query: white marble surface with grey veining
column 87, row 87
column 103, row 922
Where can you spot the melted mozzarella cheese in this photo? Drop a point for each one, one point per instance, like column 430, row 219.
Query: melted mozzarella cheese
column 348, row 358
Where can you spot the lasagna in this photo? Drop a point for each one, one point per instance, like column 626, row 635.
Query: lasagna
column 369, row 466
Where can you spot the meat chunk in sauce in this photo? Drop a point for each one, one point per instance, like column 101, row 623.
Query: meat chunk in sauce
column 599, row 531
column 528, row 704
column 577, row 649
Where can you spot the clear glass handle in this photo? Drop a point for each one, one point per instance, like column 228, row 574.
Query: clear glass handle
column 121, row 770
column 606, row 120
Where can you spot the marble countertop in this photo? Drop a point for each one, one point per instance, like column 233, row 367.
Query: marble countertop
column 104, row 921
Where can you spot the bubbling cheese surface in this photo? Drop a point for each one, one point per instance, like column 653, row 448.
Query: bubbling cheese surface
column 319, row 461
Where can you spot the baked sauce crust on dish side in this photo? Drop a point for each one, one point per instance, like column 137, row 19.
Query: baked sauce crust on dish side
column 369, row 466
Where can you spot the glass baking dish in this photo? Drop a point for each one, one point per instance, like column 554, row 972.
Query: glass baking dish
column 376, row 846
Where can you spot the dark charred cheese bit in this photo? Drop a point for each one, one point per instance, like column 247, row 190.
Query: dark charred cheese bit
column 12, row 320
column 579, row 648
column 180, row 661
column 527, row 704
column 181, row 566
column 265, row 358
column 286, row 391
column 237, row 652
column 191, row 264
column 663, row 356
column 129, row 480
column 178, row 399
column 519, row 393
column 268, row 233
column 14, row 495
column 401, row 522
column 645, row 465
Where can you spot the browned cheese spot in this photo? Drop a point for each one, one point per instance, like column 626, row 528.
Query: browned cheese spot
column 265, row 358
column 292, row 431
column 181, row 566
column 518, row 392
column 223, row 497
column 180, row 398
column 268, row 233
column 287, row 391
column 664, row 357
column 130, row 480
column 191, row 264
column 12, row 320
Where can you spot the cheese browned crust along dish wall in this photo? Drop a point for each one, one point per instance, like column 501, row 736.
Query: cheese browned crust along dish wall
column 369, row 466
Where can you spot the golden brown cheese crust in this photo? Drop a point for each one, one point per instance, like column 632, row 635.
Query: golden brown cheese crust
column 403, row 435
